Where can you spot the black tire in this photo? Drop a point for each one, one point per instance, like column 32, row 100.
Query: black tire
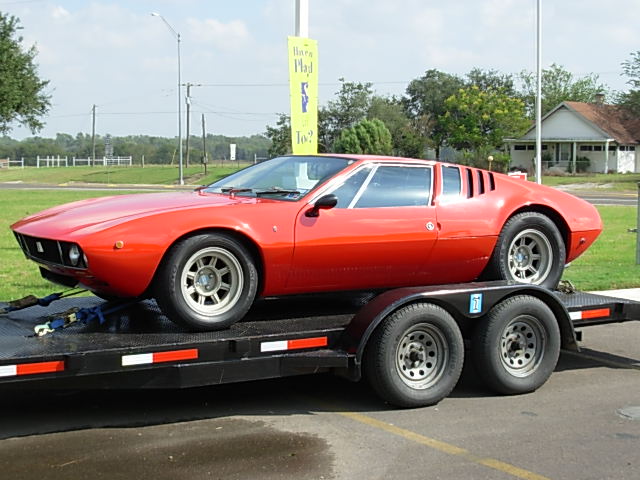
column 206, row 282
column 414, row 358
column 516, row 346
column 529, row 249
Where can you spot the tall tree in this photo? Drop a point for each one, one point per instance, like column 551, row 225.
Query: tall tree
column 631, row 69
column 491, row 79
column 559, row 85
column 478, row 120
column 425, row 103
column 406, row 139
column 22, row 96
column 280, row 136
column 350, row 106
column 366, row 137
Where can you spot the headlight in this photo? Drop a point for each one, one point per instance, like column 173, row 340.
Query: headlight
column 74, row 255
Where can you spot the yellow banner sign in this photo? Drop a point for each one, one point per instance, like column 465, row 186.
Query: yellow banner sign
column 303, row 88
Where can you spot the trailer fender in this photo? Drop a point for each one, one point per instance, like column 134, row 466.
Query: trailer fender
column 462, row 301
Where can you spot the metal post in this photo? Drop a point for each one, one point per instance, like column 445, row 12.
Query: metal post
column 93, row 136
column 177, row 35
column 638, row 230
column 188, row 100
column 302, row 18
column 539, row 94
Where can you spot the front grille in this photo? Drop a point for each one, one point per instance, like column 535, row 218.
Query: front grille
column 47, row 251
column 41, row 249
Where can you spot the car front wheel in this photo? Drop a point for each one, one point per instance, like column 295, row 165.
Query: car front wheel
column 206, row 282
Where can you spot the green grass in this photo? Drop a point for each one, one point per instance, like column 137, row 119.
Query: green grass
column 608, row 264
column 152, row 174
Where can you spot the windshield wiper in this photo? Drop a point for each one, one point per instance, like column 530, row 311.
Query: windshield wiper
column 232, row 190
column 278, row 191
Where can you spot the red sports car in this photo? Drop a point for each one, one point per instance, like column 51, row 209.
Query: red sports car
column 301, row 224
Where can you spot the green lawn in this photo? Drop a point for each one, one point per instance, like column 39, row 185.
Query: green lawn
column 151, row 174
column 609, row 263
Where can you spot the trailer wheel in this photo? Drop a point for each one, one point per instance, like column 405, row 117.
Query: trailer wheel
column 206, row 282
column 414, row 358
column 517, row 345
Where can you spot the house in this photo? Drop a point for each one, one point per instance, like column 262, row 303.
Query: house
column 607, row 135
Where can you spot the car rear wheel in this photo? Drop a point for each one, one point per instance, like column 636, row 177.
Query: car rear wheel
column 530, row 249
column 206, row 282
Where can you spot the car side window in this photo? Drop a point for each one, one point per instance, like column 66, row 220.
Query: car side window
column 397, row 186
column 348, row 190
column 451, row 181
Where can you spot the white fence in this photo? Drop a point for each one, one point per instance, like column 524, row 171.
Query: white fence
column 58, row 161
column 104, row 161
column 8, row 163
column 48, row 161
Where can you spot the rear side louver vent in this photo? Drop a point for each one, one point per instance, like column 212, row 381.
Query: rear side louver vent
column 479, row 182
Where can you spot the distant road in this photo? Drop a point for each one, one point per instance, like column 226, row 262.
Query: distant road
column 596, row 198
column 608, row 198
column 89, row 186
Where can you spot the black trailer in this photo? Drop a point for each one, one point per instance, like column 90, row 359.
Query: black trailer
column 410, row 343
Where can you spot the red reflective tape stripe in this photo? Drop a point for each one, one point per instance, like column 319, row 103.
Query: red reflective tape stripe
column 175, row 355
column 42, row 367
column 307, row 343
column 602, row 312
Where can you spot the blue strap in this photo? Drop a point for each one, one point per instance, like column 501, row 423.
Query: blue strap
column 46, row 301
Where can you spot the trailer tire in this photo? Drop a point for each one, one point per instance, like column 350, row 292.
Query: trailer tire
column 516, row 347
column 415, row 357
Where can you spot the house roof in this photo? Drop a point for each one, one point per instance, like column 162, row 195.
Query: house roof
column 616, row 121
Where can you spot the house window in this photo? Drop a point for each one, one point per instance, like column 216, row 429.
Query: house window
column 632, row 149
column 586, row 148
column 519, row 147
column 612, row 148
column 597, row 148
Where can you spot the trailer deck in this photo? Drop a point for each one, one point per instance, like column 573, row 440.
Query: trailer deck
column 140, row 348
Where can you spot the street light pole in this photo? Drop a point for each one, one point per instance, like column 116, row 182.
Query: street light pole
column 177, row 35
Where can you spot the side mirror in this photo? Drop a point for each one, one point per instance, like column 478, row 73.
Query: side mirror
column 325, row 202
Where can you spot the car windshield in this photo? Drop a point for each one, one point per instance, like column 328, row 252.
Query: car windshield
column 282, row 178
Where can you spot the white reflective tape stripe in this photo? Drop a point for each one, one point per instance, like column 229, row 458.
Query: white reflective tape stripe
column 8, row 371
column 140, row 359
column 274, row 346
column 575, row 315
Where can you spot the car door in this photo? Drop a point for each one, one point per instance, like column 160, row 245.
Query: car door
column 380, row 233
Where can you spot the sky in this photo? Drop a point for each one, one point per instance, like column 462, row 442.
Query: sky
column 117, row 56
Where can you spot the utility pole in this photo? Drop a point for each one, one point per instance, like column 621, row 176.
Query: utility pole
column 204, row 147
column 188, row 101
column 93, row 136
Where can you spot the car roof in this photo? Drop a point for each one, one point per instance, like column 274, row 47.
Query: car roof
column 378, row 158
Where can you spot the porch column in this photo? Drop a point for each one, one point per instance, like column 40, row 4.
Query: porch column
column 606, row 156
column 573, row 157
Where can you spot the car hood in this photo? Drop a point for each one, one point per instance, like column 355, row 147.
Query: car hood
column 70, row 217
